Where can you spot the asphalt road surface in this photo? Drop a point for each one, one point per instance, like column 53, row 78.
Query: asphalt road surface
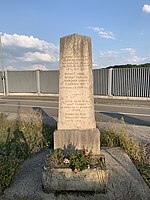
column 106, row 110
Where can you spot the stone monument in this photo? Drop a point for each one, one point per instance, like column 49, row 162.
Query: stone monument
column 76, row 117
column 76, row 123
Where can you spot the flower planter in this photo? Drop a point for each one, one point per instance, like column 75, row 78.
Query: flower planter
column 64, row 179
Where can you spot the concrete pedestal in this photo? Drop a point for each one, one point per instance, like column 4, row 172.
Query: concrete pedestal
column 78, row 139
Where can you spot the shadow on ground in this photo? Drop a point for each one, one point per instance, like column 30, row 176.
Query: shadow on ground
column 127, row 119
column 49, row 125
column 45, row 118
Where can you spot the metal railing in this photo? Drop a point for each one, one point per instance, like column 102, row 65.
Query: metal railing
column 130, row 82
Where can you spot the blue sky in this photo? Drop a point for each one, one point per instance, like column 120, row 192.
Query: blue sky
column 31, row 31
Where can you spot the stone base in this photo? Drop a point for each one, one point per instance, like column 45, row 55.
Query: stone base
column 64, row 179
column 78, row 139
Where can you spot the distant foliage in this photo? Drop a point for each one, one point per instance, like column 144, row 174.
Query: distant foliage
column 129, row 66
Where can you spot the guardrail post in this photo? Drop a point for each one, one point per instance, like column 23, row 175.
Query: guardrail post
column 3, row 82
column 38, row 81
column 6, row 82
column 110, row 81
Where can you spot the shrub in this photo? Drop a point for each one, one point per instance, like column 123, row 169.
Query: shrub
column 18, row 140
column 8, row 166
column 109, row 138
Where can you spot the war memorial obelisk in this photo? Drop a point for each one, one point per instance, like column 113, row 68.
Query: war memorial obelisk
column 76, row 117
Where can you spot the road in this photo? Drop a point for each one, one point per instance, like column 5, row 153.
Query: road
column 106, row 110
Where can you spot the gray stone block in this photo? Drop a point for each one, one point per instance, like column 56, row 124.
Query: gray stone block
column 78, row 139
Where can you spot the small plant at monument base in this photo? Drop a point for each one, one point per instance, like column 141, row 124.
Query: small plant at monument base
column 77, row 161
column 80, row 160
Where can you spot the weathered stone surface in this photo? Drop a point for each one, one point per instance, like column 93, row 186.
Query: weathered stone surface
column 78, row 138
column 76, row 104
column 76, row 117
column 67, row 180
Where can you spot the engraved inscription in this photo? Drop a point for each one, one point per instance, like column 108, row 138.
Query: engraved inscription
column 75, row 76
column 76, row 108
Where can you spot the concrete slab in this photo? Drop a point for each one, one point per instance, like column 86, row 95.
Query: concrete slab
column 125, row 183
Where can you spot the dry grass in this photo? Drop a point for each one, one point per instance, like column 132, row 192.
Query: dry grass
column 20, row 138
column 137, row 152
